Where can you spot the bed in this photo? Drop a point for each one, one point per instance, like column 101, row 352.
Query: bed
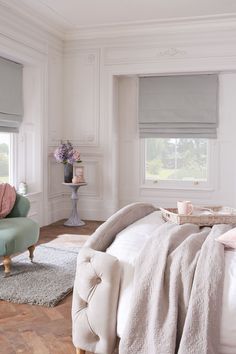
column 109, row 289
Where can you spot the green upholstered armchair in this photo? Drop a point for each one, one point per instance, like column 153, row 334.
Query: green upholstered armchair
column 17, row 232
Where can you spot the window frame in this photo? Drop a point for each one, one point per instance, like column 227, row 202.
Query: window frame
column 13, row 165
column 208, row 185
column 13, row 158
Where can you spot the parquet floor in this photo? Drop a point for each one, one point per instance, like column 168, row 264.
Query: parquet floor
column 31, row 329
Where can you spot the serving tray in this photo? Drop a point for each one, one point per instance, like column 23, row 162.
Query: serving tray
column 202, row 216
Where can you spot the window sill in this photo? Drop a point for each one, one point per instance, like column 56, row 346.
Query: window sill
column 32, row 194
column 156, row 186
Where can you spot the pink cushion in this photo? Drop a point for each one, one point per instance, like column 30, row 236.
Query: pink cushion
column 228, row 238
column 7, row 199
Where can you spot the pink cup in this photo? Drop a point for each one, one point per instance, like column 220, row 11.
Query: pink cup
column 185, row 207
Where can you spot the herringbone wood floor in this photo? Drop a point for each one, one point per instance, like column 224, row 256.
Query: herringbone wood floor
column 31, row 329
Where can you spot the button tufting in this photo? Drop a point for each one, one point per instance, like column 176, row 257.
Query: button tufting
column 97, row 337
column 99, row 280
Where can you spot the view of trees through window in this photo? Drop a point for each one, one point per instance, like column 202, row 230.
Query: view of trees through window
column 4, row 157
column 176, row 159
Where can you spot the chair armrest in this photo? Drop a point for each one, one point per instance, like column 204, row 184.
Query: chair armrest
column 95, row 300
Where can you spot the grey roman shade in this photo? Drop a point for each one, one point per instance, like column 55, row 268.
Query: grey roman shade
column 178, row 106
column 11, row 100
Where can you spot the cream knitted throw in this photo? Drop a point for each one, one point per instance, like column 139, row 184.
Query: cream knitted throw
column 178, row 284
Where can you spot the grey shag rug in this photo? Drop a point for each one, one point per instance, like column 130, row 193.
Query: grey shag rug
column 46, row 281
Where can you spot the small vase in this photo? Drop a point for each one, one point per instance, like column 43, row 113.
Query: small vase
column 68, row 173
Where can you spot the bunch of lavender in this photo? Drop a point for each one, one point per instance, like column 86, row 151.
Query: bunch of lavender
column 66, row 154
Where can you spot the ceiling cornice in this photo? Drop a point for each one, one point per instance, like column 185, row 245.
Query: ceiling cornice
column 33, row 18
column 120, row 30
column 225, row 21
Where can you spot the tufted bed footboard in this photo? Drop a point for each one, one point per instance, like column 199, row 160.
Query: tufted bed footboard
column 97, row 284
column 95, row 300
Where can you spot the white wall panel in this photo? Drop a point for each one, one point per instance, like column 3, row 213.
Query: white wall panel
column 55, row 96
column 35, row 212
column 81, row 93
column 93, row 177
column 55, row 177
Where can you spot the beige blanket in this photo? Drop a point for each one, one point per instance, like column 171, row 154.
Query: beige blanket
column 178, row 284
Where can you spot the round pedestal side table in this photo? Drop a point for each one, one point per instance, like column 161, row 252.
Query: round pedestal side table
column 74, row 219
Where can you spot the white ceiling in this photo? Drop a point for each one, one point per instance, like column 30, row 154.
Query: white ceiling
column 72, row 14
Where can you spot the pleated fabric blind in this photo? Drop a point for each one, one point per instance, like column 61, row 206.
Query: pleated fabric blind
column 11, row 95
column 178, row 106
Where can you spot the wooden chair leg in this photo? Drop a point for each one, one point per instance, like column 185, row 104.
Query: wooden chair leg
column 31, row 252
column 80, row 351
column 7, row 265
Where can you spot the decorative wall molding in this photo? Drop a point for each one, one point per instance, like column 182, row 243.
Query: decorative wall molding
column 93, row 176
column 22, row 29
column 55, row 210
column 91, row 58
column 27, row 15
column 154, row 53
column 19, row 52
column 55, row 178
column 54, row 25
column 55, row 96
column 152, row 28
column 81, row 86
column 171, row 52
column 35, row 207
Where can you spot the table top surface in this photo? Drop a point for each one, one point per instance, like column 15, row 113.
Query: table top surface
column 75, row 184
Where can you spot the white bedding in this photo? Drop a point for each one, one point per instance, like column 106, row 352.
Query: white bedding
column 228, row 318
column 127, row 246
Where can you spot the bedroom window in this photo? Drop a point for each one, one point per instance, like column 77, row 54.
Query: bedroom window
column 6, row 157
column 178, row 162
column 178, row 123
column 11, row 117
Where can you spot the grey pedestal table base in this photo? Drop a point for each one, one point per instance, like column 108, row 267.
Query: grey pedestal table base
column 74, row 219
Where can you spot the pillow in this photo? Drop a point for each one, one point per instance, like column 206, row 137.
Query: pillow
column 7, row 199
column 228, row 238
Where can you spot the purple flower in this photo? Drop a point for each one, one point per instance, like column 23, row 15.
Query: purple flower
column 74, row 156
column 65, row 153
column 69, row 146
